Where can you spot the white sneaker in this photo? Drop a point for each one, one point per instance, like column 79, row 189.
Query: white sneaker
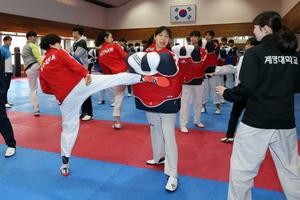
column 87, row 118
column 65, row 170
column 172, row 184
column 200, row 125
column 37, row 113
column 10, row 103
column 218, row 111
column 116, row 126
column 7, row 105
column 10, row 151
column 129, row 95
column 183, row 129
column 101, row 102
column 152, row 162
column 203, row 110
column 227, row 139
column 222, row 101
column 112, row 105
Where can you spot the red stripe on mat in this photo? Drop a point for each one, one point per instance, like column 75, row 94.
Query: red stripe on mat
column 201, row 154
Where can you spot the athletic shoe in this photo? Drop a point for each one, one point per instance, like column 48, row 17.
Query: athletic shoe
column 65, row 171
column 157, row 80
column 112, row 105
column 11, row 104
column 152, row 162
column 227, row 139
column 172, row 184
column 200, row 125
column 203, row 110
column 129, row 95
column 82, row 115
column 10, row 151
column 222, row 101
column 184, row 129
column 7, row 105
column 37, row 113
column 101, row 102
column 218, row 111
column 116, row 126
column 87, row 118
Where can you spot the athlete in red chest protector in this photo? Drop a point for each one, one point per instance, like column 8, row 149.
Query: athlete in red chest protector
column 191, row 65
column 160, row 103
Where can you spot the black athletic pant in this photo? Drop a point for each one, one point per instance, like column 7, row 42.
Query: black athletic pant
column 87, row 107
column 7, row 84
column 237, row 109
column 129, row 89
column 5, row 125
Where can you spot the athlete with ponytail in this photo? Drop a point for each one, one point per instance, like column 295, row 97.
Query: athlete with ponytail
column 111, row 59
column 269, row 78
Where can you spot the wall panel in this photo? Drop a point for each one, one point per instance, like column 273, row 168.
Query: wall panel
column 239, row 29
column 15, row 23
column 292, row 18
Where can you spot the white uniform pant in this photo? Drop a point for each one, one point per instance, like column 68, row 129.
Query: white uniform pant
column 72, row 104
column 191, row 91
column 110, row 92
column 229, row 80
column 162, row 131
column 33, row 75
column 119, row 95
column 209, row 88
column 249, row 150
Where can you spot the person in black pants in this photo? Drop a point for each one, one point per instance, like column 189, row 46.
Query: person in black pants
column 5, row 125
column 239, row 106
column 79, row 51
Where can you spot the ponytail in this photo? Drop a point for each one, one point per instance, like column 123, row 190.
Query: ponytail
column 287, row 41
column 100, row 38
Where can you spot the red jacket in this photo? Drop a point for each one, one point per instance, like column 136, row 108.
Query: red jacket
column 111, row 58
column 60, row 73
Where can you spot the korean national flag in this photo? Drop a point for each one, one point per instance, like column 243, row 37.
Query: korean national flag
column 183, row 13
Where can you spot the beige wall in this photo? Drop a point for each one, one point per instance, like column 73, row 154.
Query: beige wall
column 154, row 13
column 287, row 5
column 66, row 11
column 142, row 13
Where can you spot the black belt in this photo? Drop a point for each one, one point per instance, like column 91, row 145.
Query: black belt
column 30, row 65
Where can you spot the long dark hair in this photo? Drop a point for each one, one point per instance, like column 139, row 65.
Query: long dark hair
column 100, row 38
column 287, row 41
column 196, row 34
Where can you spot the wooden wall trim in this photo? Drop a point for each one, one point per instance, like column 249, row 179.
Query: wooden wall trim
column 237, row 29
column 21, row 24
column 292, row 19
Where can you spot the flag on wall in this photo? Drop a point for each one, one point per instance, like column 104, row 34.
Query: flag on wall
column 183, row 13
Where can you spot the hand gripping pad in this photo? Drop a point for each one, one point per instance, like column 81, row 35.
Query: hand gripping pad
column 151, row 63
column 138, row 63
column 167, row 66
